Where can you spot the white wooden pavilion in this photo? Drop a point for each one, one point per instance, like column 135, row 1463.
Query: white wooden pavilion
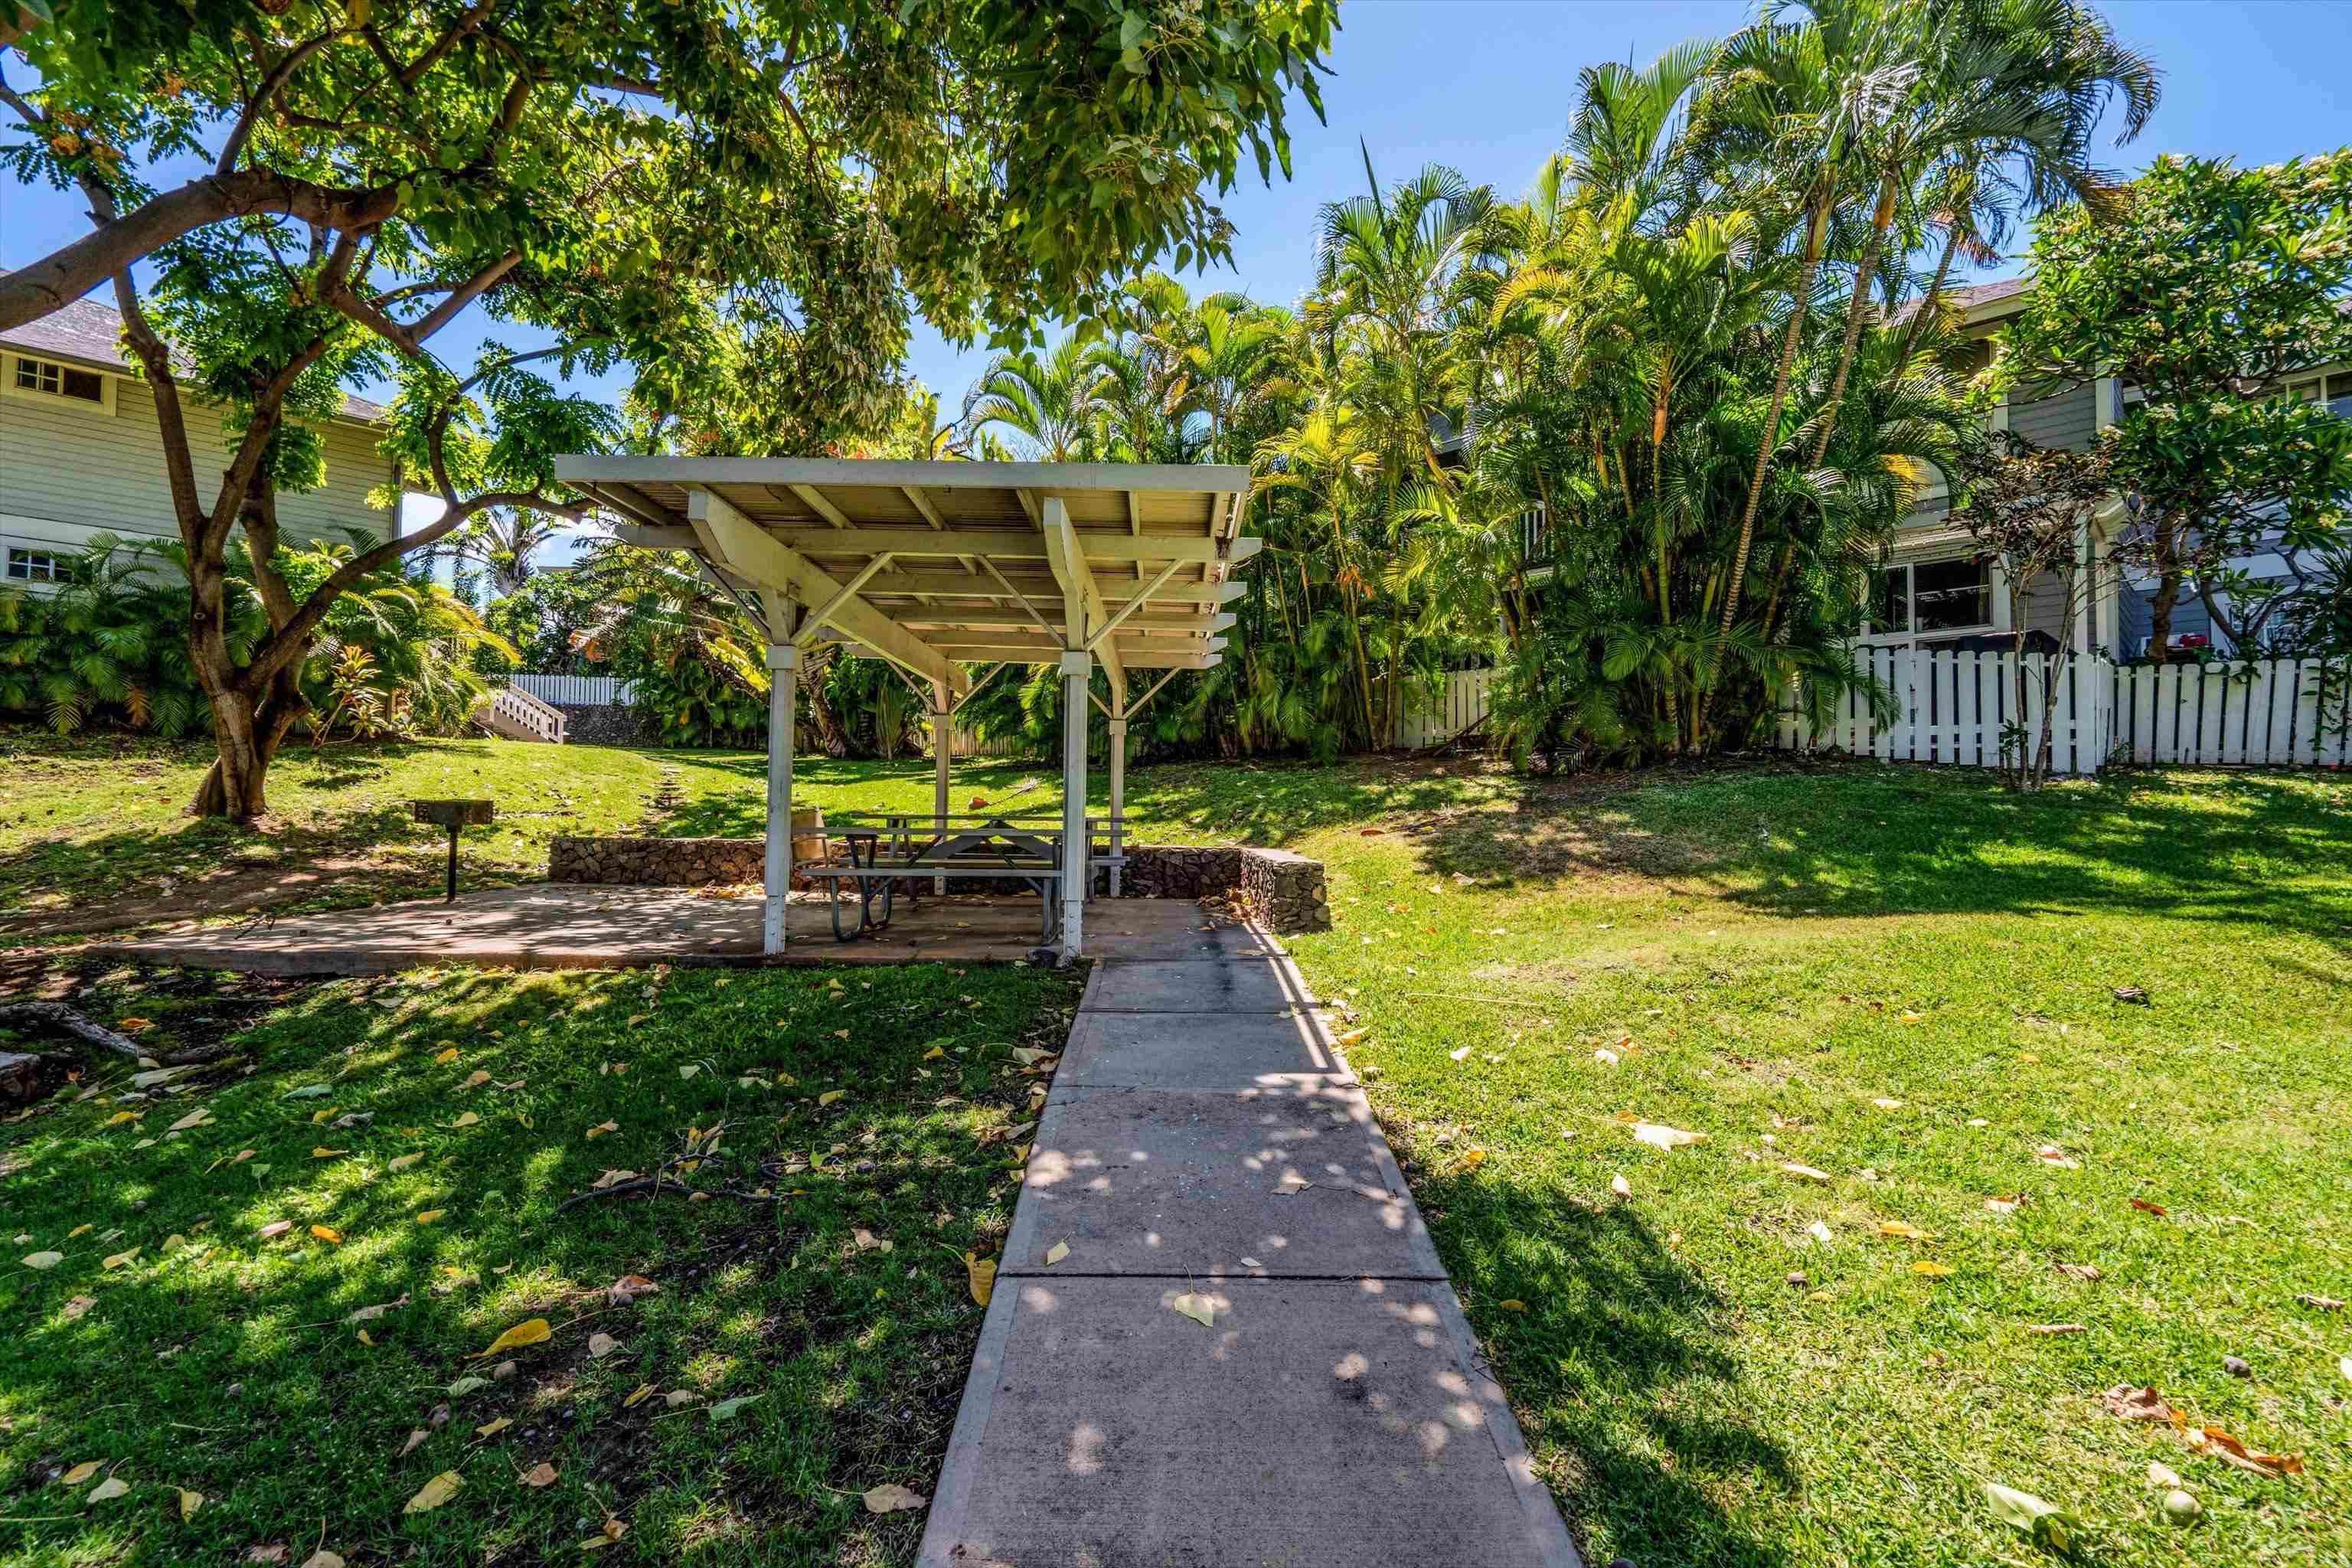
column 935, row 568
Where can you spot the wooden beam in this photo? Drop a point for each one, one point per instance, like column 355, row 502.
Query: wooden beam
column 923, row 503
column 1067, row 555
column 1005, row 543
column 823, row 614
column 1143, row 626
column 1112, row 624
column 821, row 507
column 743, row 546
column 1115, row 589
column 1153, row 658
column 1181, row 479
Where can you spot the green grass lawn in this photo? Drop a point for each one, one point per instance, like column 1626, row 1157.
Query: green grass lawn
column 1901, row 979
column 794, row 1356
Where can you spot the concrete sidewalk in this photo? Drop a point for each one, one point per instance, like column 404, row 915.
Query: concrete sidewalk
column 1203, row 1135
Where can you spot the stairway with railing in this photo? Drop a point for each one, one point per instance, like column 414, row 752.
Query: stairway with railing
column 515, row 714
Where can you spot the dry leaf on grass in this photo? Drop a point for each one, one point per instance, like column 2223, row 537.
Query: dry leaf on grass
column 107, row 1490
column 2086, row 1271
column 604, row 1127
column 637, row 1396
column 81, row 1473
column 435, row 1492
column 321, row 1558
column 541, row 1474
column 1659, row 1136
column 2144, row 1206
column 628, row 1288
column 981, row 1274
column 44, row 1259
column 894, row 1499
column 531, row 1332
column 1804, row 1173
column 1903, row 1230
column 492, row 1428
column 2057, row 1328
column 1931, row 1269
column 602, row 1345
column 189, row 1502
column 1620, row 1186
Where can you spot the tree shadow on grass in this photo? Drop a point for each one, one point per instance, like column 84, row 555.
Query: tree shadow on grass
column 227, row 1361
column 1619, row 1369
column 1796, row 839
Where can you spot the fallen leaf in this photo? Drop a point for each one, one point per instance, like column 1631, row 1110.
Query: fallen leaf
column 1055, row 1253
column 1659, row 1136
column 628, row 1288
column 599, row 1346
column 1804, row 1173
column 449, row 1054
column 726, row 1408
column 2004, row 1205
column 475, row 1079
column 678, row 1396
column 107, row 1490
column 1620, row 1186
column 2324, row 1303
column 1931, row 1269
column 690, row 1069
column 981, row 1276
column 77, row 1306
column 604, row 1127
column 829, row 1095
column 1512, row 1304
column 1884, row 1104
column 893, row 1497
column 2043, row 1521
column 44, row 1259
column 637, row 1396
column 2230, row 1451
column 541, row 1474
column 192, row 1119
column 370, row 1314
column 2052, row 1155
column 530, row 1332
column 415, row 1439
column 1197, row 1307
column 2057, row 1328
column 868, row 1241
column 119, row 1258
column 321, row 1558
column 402, row 1161
column 273, row 1552
column 2144, row 1206
column 1605, row 1056
column 328, row 1234
column 469, row 1119
column 81, row 1473
column 1291, row 1186
column 275, row 1228
column 189, row 1502
column 435, row 1492
column 1472, row 1157
column 2131, row 1403
column 492, row 1428
column 1903, row 1230
column 429, row 1216
column 466, row 1385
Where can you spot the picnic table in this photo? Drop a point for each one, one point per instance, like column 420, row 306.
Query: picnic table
column 928, row 846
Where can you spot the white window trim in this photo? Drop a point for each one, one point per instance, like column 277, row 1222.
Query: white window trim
column 1996, row 601
column 58, row 558
column 8, row 387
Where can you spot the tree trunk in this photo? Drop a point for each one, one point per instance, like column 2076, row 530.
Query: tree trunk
column 246, row 737
column 2160, row 617
column 1928, row 300
column 1859, row 307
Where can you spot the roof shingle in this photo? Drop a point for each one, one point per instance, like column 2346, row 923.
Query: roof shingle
column 91, row 331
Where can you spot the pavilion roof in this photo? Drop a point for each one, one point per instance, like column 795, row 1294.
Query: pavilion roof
column 933, row 564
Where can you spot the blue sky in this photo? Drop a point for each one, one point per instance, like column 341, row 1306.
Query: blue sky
column 1486, row 86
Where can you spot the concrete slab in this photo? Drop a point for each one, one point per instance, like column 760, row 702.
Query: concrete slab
column 1292, row 1181
column 1313, row 1424
column 1216, row 986
column 1196, row 1050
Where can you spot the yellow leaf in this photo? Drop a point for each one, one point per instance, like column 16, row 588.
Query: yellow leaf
column 319, row 1116
column 1912, row 1017
column 189, row 1502
column 1903, row 1230
column 448, row 1055
column 435, row 1492
column 829, row 1095
column 402, row 1161
column 107, row 1490
column 476, row 1079
column 1513, row 1305
column 79, row 1473
column 469, row 1119
column 1886, row 1104
column 134, row 1026
column 492, row 1428
column 934, row 1053
column 79, row 1230
column 541, row 1474
column 193, row 1119
column 1197, row 1307
column 604, row 1127
column 893, row 1498
column 120, row 1117
column 531, row 1332
column 429, row 1216
column 1661, row 1137
column 982, row 1273
column 328, row 1234
column 119, row 1258
column 1472, row 1157
column 1932, row 1270
column 1055, row 1253
column 322, row 1153
column 366, row 1338
column 637, row 1396
column 1804, row 1173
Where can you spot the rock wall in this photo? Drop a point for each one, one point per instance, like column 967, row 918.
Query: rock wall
column 1282, row 890
column 656, row 862
column 605, row 724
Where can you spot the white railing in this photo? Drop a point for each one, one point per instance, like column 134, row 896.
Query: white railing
column 1462, row 703
column 1951, row 708
column 520, row 716
column 576, row 691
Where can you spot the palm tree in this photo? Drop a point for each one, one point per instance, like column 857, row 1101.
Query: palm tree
column 1054, row 404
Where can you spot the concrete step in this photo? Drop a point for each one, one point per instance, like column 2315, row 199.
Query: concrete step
column 1196, row 1050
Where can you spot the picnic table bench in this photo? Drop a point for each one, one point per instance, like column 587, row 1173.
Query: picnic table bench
column 928, row 846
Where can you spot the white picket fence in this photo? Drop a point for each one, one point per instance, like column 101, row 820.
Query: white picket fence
column 1462, row 703
column 576, row 691
column 1951, row 708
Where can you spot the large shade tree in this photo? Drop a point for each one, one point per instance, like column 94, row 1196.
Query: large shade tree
column 287, row 195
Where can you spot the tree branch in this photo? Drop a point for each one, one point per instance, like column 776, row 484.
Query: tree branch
column 66, row 274
column 409, row 337
column 259, row 103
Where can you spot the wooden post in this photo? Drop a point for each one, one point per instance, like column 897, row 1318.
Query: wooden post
column 1117, row 728
column 783, row 690
column 943, row 733
column 1078, row 669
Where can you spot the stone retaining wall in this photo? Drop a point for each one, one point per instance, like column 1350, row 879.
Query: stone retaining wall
column 605, row 724
column 1286, row 892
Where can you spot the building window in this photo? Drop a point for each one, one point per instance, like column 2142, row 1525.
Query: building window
column 35, row 566
column 1931, row 596
column 53, row 380
column 2334, row 389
